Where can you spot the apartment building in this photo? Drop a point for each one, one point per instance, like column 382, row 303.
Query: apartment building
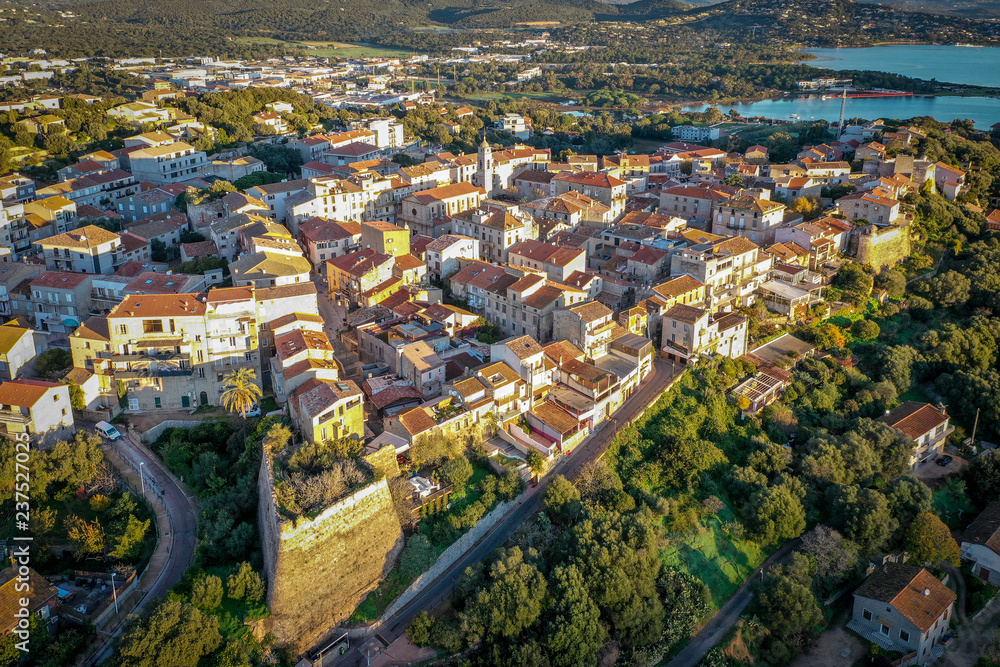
column 385, row 237
column 731, row 269
column 442, row 254
column 17, row 350
column 327, row 239
column 556, row 262
column 498, row 229
column 168, row 163
column 60, row 300
column 750, row 217
column 603, row 187
column 326, row 197
column 174, row 351
column 690, row 332
column 430, row 212
column 587, row 325
column 524, row 304
column 325, row 410
column 88, row 249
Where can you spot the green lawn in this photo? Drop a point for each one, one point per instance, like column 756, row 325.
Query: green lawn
column 955, row 509
column 709, row 554
column 332, row 49
column 487, row 97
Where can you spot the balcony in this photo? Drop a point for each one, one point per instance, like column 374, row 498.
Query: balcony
column 144, row 356
column 14, row 417
column 157, row 373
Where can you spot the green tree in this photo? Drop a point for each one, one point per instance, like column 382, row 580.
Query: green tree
column 419, row 629
column 948, row 289
column 417, row 557
column 774, row 514
column 87, row 537
column 172, row 635
column 982, row 479
column 246, row 584
column 536, row 463
column 929, row 541
column 76, row 398
column 865, row 330
column 242, row 391
column 128, row 546
column 510, row 602
column 862, row 515
column 829, row 337
column 686, row 599
column 457, row 472
column 573, row 631
column 53, row 362
column 787, row 604
column 892, row 281
column 561, row 498
column 206, row 593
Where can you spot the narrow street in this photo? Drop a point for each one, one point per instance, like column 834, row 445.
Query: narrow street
column 663, row 375
column 177, row 524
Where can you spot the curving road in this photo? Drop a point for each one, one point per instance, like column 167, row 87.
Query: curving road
column 663, row 375
column 177, row 521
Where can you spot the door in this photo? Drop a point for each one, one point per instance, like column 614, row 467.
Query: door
column 185, row 401
column 204, row 398
column 984, row 573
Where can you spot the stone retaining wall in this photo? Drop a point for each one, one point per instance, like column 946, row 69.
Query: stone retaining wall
column 448, row 558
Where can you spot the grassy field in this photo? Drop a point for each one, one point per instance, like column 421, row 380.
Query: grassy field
column 487, row 97
column 709, row 554
column 331, row 49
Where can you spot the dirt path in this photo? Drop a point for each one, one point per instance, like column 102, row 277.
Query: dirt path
column 969, row 642
column 959, row 580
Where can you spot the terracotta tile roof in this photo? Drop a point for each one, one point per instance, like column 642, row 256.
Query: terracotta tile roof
column 591, row 311
column 286, row 291
column 61, row 279
column 447, row 192
column 986, row 528
column 417, row 420
column 552, row 415
column 678, row 286
column 95, row 328
column 912, row 591
column 684, row 313
column 39, row 594
column 25, row 393
column 395, row 394
column 523, row 346
column 316, row 396
column 159, row 305
column 562, row 350
column 293, row 342
column 589, row 178
column 84, row 237
column 914, row 418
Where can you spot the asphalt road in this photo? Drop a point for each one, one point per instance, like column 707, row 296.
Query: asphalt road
column 182, row 513
column 664, row 372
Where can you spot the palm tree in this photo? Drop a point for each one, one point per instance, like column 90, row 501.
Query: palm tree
column 242, row 392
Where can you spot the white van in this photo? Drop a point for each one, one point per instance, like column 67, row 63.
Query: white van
column 107, row 430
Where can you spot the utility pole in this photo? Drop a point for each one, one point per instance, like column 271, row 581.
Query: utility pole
column 975, row 424
column 114, row 590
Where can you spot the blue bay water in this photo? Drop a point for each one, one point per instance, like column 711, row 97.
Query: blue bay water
column 953, row 64
column 970, row 65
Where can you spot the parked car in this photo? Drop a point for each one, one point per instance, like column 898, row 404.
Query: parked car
column 944, row 460
column 254, row 410
column 947, row 638
column 107, row 430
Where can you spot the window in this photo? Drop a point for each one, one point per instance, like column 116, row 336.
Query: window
column 201, row 372
column 904, row 635
column 156, row 402
column 133, row 404
column 152, row 326
column 867, row 615
column 884, row 629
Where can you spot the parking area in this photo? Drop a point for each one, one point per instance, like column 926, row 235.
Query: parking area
column 836, row 647
column 931, row 473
